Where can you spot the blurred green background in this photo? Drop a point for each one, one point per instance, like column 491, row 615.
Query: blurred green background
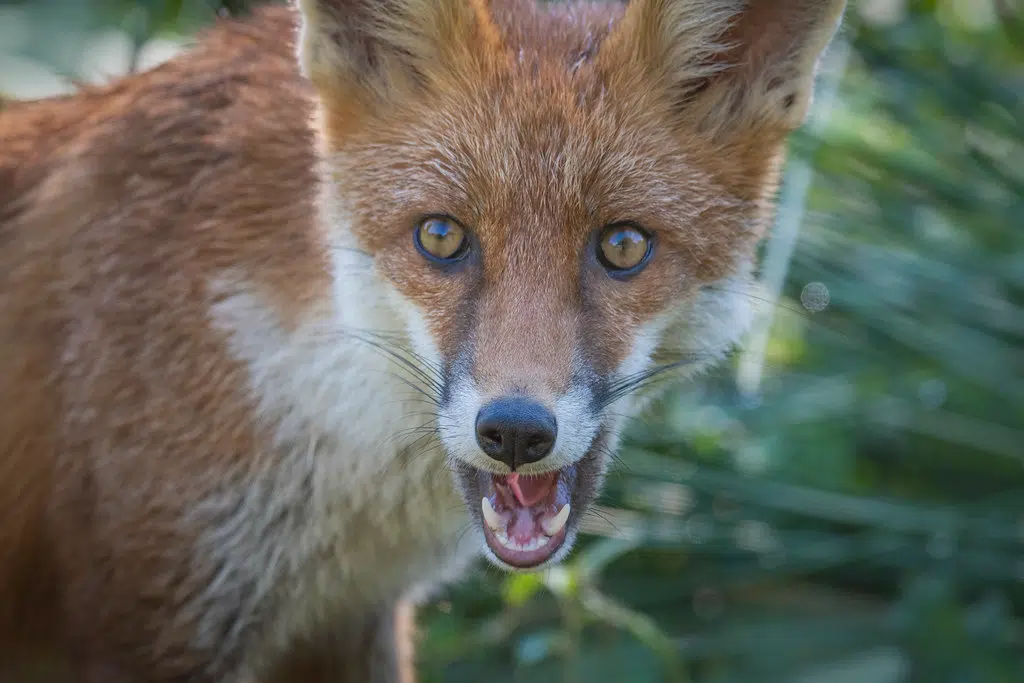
column 842, row 502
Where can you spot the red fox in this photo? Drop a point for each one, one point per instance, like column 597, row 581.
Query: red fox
column 296, row 325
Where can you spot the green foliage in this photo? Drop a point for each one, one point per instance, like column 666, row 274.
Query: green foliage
column 857, row 513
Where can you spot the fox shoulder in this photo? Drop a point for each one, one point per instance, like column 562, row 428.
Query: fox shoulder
column 116, row 205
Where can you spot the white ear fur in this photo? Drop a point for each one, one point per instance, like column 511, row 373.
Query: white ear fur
column 735, row 64
column 382, row 44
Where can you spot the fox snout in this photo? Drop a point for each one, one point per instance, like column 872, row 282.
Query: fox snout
column 525, row 447
column 516, row 431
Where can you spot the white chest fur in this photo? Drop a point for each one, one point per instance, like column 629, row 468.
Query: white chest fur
column 354, row 501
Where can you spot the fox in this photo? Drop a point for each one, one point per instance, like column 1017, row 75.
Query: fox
column 300, row 324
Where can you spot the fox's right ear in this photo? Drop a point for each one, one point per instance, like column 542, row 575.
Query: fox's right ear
column 375, row 48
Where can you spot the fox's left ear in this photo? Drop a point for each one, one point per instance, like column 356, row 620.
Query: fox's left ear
column 731, row 65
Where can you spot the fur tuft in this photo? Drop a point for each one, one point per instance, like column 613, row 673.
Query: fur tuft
column 678, row 42
column 353, row 47
column 729, row 66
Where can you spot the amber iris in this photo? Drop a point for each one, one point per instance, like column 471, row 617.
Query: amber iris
column 441, row 238
column 624, row 248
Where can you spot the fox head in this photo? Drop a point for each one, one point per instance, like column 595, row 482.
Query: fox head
column 559, row 202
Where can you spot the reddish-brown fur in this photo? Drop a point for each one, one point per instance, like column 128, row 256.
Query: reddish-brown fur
column 533, row 215
column 82, row 367
column 122, row 406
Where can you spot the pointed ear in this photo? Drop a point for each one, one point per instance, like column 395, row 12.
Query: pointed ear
column 733, row 64
column 375, row 47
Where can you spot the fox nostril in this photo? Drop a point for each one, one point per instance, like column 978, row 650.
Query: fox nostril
column 515, row 431
column 492, row 437
column 539, row 445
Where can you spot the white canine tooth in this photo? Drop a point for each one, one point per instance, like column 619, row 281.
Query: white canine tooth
column 555, row 524
column 491, row 515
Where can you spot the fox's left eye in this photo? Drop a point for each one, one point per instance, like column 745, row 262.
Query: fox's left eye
column 624, row 248
column 441, row 239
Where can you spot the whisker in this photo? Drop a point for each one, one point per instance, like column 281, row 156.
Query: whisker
column 594, row 511
column 634, row 382
column 615, row 457
column 428, row 372
column 423, row 429
column 408, row 399
column 423, row 375
column 796, row 309
column 390, row 338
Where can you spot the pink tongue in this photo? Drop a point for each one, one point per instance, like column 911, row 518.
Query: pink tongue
column 523, row 526
column 530, row 490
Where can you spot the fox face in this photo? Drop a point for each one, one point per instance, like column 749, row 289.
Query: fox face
column 559, row 204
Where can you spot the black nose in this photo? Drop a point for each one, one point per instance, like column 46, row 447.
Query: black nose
column 516, row 431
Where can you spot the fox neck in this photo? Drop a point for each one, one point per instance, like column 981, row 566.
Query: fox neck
column 328, row 374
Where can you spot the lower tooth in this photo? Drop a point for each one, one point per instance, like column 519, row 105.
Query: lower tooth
column 535, row 543
column 553, row 525
column 491, row 516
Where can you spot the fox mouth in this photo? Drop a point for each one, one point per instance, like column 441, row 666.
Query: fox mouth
column 531, row 520
column 525, row 518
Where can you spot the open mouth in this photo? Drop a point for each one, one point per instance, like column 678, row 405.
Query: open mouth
column 525, row 516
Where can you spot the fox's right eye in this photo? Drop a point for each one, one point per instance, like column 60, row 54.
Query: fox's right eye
column 624, row 248
column 441, row 239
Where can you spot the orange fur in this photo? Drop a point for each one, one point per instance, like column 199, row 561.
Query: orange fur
column 177, row 248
